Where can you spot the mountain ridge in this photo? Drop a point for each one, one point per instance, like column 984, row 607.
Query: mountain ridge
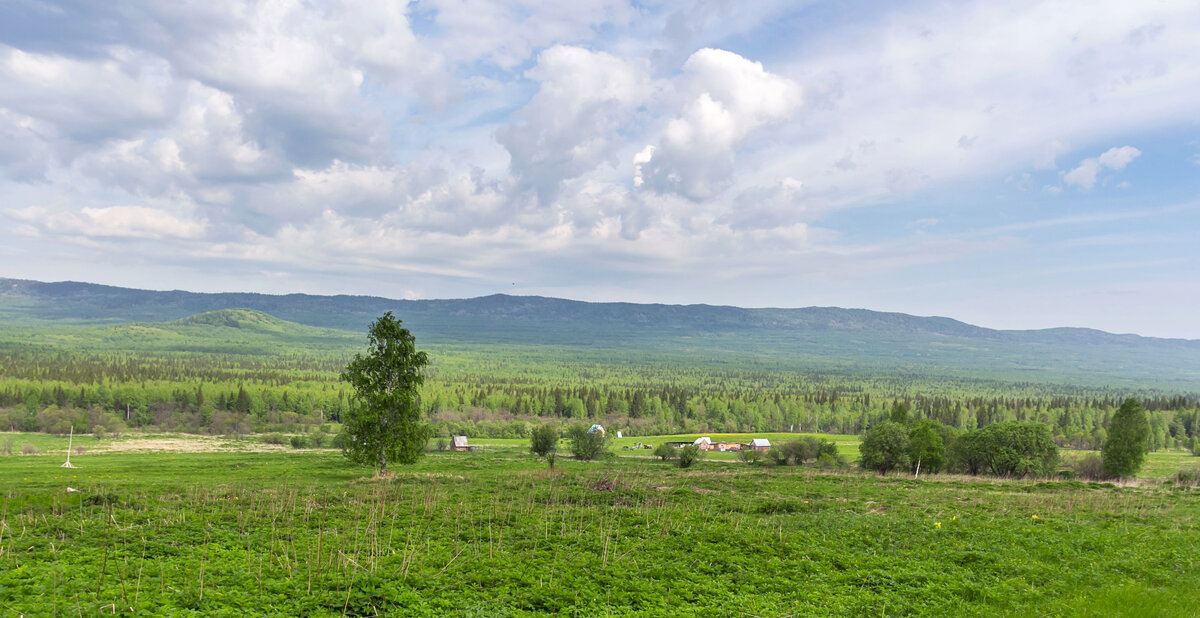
column 103, row 303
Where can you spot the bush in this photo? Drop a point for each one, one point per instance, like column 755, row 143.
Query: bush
column 885, row 448
column 1013, row 448
column 825, row 461
column 1187, row 476
column 99, row 432
column 689, row 455
column 587, row 446
column 299, row 442
column 748, row 455
column 665, row 451
column 776, row 457
column 7, row 446
column 1089, row 467
column 274, row 438
column 543, row 440
column 442, row 444
column 29, row 449
column 317, row 440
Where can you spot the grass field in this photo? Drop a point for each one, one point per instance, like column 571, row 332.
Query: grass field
column 494, row 533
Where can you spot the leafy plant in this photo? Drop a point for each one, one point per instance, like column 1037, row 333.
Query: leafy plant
column 689, row 455
column 587, row 445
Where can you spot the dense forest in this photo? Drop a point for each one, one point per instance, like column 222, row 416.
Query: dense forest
column 502, row 365
column 503, row 392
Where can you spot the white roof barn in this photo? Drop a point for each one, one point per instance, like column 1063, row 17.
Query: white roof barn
column 704, row 440
column 760, row 442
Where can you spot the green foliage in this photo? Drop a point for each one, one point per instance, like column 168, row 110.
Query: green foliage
column 299, row 442
column 384, row 421
column 665, row 451
column 543, row 440
column 586, row 445
column 689, row 455
column 899, row 412
column 1128, row 432
column 750, row 455
column 273, row 438
column 1013, row 449
column 926, row 447
column 1089, row 467
column 797, row 452
column 885, row 447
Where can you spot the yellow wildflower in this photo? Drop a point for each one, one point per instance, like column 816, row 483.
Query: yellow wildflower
column 937, row 524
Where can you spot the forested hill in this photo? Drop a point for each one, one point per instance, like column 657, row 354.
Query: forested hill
column 828, row 337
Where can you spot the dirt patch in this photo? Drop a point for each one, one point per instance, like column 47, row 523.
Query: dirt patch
column 189, row 444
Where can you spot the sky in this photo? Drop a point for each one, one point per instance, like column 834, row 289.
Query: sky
column 1024, row 164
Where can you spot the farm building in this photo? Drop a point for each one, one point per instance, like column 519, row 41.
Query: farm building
column 460, row 443
column 595, row 429
column 725, row 447
column 704, row 443
column 761, row 445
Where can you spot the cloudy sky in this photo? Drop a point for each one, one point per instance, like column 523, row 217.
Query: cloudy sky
column 1019, row 164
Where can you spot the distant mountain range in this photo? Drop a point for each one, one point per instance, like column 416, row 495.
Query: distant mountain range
column 827, row 338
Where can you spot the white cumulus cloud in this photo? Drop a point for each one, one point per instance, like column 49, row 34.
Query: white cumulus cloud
column 1084, row 176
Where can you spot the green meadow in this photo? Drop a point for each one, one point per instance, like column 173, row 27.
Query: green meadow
column 496, row 533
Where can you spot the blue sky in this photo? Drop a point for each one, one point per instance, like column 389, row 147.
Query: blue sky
column 1014, row 165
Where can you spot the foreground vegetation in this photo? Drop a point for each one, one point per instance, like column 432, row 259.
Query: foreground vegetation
column 495, row 533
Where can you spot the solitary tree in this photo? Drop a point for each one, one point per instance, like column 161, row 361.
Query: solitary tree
column 543, row 440
column 1125, row 449
column 384, row 421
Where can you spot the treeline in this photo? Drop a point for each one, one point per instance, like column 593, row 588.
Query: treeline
column 226, row 394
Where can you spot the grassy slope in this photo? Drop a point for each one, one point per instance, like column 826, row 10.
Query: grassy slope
column 492, row 534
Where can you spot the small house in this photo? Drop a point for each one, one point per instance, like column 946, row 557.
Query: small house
column 704, row 443
column 460, row 443
column 726, row 447
column 761, row 445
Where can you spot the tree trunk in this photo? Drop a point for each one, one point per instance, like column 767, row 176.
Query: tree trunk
column 382, row 463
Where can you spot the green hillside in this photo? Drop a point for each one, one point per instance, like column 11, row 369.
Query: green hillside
column 814, row 338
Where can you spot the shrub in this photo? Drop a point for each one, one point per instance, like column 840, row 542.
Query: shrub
column 1187, row 476
column 317, row 440
column 1090, row 467
column 1012, row 448
column 825, row 461
column 665, row 451
column 543, row 440
column 885, row 448
column 689, row 455
column 274, row 438
column 29, row 449
column 99, row 432
column 442, row 444
column 7, row 446
column 776, row 456
column 299, row 442
column 587, row 446
column 79, row 450
column 748, row 455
